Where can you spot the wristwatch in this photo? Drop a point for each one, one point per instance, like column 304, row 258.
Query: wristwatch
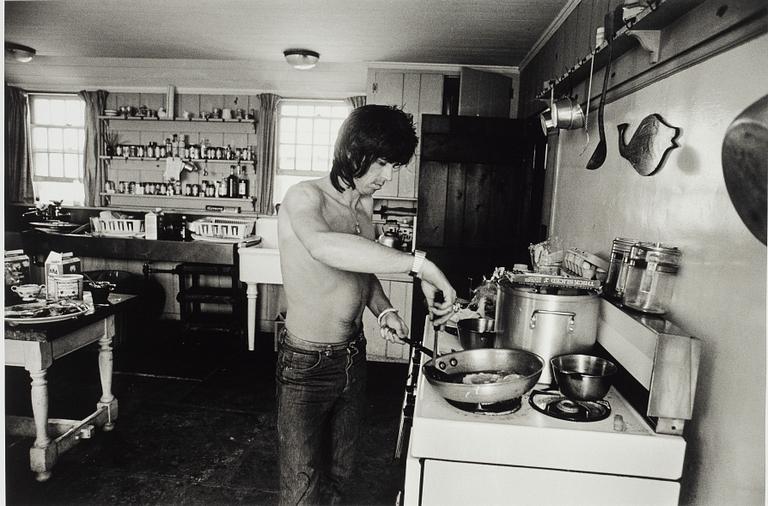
column 418, row 262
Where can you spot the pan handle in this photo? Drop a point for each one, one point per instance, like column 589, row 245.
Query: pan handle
column 571, row 319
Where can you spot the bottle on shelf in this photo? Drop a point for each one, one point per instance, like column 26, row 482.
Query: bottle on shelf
column 175, row 145
column 221, row 188
column 232, row 183
column 185, row 235
column 242, row 185
column 204, row 148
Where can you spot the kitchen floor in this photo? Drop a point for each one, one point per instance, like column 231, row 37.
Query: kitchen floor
column 196, row 426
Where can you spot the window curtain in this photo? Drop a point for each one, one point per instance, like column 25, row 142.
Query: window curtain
column 266, row 133
column 356, row 102
column 18, row 169
column 93, row 178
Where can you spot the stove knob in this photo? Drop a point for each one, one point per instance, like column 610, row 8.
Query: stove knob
column 618, row 424
column 453, row 362
column 441, row 365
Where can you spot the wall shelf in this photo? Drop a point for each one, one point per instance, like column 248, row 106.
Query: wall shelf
column 659, row 14
column 193, row 160
column 188, row 120
column 180, row 202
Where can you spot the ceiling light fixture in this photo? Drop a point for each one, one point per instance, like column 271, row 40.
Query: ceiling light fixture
column 20, row 53
column 301, row 59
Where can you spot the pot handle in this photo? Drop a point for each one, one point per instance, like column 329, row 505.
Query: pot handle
column 571, row 319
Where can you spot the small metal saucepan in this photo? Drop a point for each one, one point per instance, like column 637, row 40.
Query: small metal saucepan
column 515, row 371
column 583, row 377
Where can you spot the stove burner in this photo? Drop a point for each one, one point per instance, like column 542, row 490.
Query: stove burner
column 553, row 403
column 493, row 408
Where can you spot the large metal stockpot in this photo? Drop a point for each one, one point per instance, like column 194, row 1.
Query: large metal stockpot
column 548, row 324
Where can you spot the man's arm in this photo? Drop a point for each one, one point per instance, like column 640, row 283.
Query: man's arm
column 390, row 322
column 354, row 253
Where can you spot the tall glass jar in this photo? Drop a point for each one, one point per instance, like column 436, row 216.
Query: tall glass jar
column 617, row 271
column 651, row 277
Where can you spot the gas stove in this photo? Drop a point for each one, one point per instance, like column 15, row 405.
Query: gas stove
column 456, row 451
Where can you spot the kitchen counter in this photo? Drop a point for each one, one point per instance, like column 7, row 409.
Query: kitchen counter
column 35, row 242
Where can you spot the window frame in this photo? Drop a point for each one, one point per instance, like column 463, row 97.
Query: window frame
column 36, row 177
column 306, row 101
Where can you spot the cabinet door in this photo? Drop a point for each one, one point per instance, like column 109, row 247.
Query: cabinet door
column 484, row 94
column 400, row 294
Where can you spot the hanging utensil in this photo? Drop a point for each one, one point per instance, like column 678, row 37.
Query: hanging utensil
column 598, row 156
column 745, row 166
column 589, row 96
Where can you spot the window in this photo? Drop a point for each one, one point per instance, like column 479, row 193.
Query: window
column 306, row 134
column 57, row 126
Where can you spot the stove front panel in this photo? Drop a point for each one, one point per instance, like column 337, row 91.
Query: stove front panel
column 532, row 439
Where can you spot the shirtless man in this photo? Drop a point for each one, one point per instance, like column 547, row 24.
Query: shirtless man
column 329, row 257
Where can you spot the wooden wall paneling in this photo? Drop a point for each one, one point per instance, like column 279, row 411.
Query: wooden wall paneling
column 504, row 221
column 476, row 206
column 131, row 99
column 235, row 140
column 456, row 198
column 189, row 102
column 406, row 177
column 145, row 137
column 390, row 88
column 585, row 30
column 235, row 102
column 152, row 100
column 129, row 136
column 469, row 89
column 433, row 185
column 209, row 102
column 253, row 105
column 431, row 94
column 398, row 296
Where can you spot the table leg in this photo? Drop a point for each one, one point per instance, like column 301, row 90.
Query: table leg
column 252, row 293
column 42, row 455
column 107, row 400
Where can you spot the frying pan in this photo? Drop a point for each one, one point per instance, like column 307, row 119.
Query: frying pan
column 745, row 165
column 598, row 156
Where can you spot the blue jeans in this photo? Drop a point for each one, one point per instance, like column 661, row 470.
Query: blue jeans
column 320, row 406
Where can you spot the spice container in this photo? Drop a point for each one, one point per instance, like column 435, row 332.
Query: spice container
column 619, row 265
column 651, row 277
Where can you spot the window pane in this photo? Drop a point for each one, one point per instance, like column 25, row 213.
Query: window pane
column 39, row 139
column 323, row 110
column 288, row 130
column 41, row 164
column 287, row 157
column 75, row 112
column 303, row 157
column 304, row 131
column 81, row 140
column 322, row 131
column 56, row 165
column 41, row 111
column 306, row 110
column 340, row 111
column 320, row 159
column 58, row 112
column 71, row 169
column 55, row 141
column 70, row 139
column 288, row 110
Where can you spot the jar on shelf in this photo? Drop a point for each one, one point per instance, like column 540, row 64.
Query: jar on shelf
column 651, row 277
column 617, row 271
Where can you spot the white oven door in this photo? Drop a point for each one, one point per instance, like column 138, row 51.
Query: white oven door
column 460, row 483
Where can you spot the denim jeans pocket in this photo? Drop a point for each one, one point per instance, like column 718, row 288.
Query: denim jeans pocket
column 298, row 361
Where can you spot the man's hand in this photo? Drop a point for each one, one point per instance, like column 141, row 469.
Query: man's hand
column 439, row 311
column 393, row 327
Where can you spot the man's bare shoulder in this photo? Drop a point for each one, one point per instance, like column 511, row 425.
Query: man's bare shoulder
column 302, row 194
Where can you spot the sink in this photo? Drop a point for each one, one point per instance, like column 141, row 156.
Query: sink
column 260, row 265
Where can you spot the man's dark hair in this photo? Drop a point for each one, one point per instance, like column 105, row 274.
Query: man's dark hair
column 369, row 133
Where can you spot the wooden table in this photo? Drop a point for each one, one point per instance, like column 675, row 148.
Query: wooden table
column 36, row 347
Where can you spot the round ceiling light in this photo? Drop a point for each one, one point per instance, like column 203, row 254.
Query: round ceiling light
column 301, row 59
column 19, row 52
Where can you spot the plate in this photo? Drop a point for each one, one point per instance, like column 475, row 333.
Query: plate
column 40, row 312
column 53, row 226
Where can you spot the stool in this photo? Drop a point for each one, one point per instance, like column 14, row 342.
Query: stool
column 192, row 295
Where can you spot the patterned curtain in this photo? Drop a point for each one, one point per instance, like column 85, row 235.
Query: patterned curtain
column 18, row 169
column 93, row 178
column 355, row 102
column 266, row 133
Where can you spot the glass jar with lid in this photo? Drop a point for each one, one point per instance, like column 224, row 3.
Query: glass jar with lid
column 652, row 269
column 619, row 266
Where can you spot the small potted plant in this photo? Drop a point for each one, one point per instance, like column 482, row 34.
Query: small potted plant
column 110, row 139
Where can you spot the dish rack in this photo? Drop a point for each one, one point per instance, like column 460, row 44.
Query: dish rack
column 580, row 263
column 222, row 228
column 120, row 226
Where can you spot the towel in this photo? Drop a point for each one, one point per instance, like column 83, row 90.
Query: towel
column 173, row 167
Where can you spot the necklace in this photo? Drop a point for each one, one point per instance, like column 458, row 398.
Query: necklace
column 353, row 210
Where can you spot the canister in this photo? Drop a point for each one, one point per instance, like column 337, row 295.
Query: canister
column 67, row 286
column 651, row 277
column 617, row 271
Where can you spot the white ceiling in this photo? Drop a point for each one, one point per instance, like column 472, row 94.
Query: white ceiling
column 254, row 33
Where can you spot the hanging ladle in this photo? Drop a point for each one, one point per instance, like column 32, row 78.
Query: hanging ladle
column 598, row 156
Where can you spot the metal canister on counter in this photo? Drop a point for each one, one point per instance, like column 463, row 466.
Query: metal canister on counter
column 651, row 277
column 617, row 271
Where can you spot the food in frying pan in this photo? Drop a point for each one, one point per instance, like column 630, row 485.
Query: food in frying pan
column 483, row 378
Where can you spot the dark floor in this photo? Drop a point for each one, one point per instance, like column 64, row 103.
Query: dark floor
column 196, row 426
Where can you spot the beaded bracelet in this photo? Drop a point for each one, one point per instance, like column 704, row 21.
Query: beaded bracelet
column 384, row 313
